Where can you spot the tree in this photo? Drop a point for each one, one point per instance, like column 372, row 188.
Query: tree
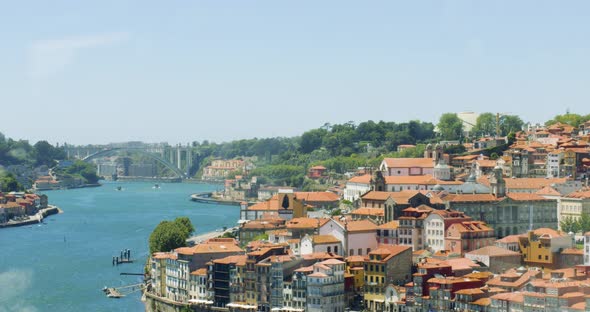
column 510, row 123
column 583, row 223
column 46, row 154
column 312, row 140
column 450, row 126
column 186, row 225
column 568, row 224
column 568, row 119
column 167, row 236
column 485, row 125
column 9, row 183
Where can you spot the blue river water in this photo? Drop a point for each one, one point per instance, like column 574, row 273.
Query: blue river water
column 63, row 264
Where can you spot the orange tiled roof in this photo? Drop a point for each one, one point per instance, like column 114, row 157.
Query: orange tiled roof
column 409, row 162
column 526, row 183
column 201, row 271
column 389, row 251
column 548, row 232
column 364, row 179
column 325, row 239
column 239, row 260
column 361, row 226
column 379, row 212
column 391, row 225
column 510, row 296
column 401, row 197
column 306, row 223
column 493, row 251
column 582, row 194
column 317, row 196
column 510, row 239
column 548, row 191
column 471, row 198
column 526, row 197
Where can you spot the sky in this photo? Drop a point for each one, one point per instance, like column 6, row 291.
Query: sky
column 91, row 72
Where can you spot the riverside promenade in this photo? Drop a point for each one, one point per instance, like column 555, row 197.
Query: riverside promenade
column 205, row 236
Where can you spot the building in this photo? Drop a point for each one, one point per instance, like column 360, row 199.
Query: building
column 510, row 242
column 574, row 205
column 357, row 186
column 495, row 258
column 325, row 287
column 228, row 279
column 323, row 200
column 466, row 236
column 284, row 205
column 436, row 224
column 358, row 237
column 198, row 290
column 386, row 265
column 407, row 166
column 387, row 233
column 321, row 243
column 394, row 202
column 316, row 172
column 221, row 168
column 541, row 247
column 410, row 231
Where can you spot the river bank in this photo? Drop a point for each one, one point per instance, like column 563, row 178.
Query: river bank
column 34, row 219
column 67, row 261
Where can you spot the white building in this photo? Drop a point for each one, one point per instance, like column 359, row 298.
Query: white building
column 198, row 292
column 358, row 237
column 357, row 186
column 325, row 287
column 321, row 243
column 554, row 164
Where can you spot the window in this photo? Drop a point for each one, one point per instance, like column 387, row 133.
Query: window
column 351, row 252
column 539, row 257
column 360, row 252
column 368, row 250
column 335, row 249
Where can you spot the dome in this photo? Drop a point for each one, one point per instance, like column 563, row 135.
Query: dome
column 438, row 188
column 429, row 146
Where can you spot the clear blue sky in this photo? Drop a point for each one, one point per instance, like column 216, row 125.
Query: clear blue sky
column 179, row 71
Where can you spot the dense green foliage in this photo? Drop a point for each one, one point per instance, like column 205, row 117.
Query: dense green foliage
column 450, row 126
column 79, row 169
column 569, row 119
column 338, row 147
column 8, row 183
column 169, row 235
column 22, row 153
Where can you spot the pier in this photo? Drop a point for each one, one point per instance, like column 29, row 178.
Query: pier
column 120, row 292
column 125, row 257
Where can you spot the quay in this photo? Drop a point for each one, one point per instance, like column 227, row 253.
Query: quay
column 34, row 219
column 207, row 198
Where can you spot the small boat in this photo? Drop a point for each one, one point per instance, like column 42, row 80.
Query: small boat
column 119, row 188
column 156, row 186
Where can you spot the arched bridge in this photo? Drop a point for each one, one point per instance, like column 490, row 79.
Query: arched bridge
column 156, row 157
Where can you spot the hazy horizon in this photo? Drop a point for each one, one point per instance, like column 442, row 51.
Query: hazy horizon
column 177, row 72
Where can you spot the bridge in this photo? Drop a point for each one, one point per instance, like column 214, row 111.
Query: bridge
column 179, row 159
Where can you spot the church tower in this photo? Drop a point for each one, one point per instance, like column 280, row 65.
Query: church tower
column 497, row 182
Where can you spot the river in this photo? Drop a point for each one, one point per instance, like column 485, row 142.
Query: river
column 63, row 264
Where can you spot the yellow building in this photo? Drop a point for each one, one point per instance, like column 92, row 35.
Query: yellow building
column 541, row 247
column 386, row 265
column 355, row 265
